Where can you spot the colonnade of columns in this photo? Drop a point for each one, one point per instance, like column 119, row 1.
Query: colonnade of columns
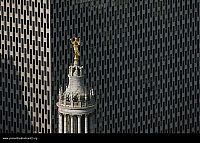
column 66, row 121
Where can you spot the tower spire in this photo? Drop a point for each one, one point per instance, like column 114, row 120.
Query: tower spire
column 76, row 104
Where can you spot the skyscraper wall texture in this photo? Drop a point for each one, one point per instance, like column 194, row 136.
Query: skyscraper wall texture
column 25, row 81
column 141, row 58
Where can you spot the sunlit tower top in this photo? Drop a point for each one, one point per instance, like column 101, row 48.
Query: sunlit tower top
column 77, row 103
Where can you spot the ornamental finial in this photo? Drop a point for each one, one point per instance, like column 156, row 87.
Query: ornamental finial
column 76, row 43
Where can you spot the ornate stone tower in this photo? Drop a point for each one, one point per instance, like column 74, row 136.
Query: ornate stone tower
column 77, row 103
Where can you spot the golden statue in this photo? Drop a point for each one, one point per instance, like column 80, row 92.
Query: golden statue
column 76, row 44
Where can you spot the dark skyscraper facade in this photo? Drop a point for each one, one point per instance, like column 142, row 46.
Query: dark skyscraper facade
column 141, row 58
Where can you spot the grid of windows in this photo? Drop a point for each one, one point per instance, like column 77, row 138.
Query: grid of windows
column 24, row 66
column 141, row 57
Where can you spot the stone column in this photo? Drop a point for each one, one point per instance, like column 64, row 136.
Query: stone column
column 72, row 124
column 60, row 122
column 79, row 123
column 65, row 123
column 86, row 123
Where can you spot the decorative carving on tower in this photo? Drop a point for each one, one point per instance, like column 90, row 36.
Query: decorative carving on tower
column 77, row 103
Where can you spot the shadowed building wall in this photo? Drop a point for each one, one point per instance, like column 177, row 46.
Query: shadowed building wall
column 141, row 58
